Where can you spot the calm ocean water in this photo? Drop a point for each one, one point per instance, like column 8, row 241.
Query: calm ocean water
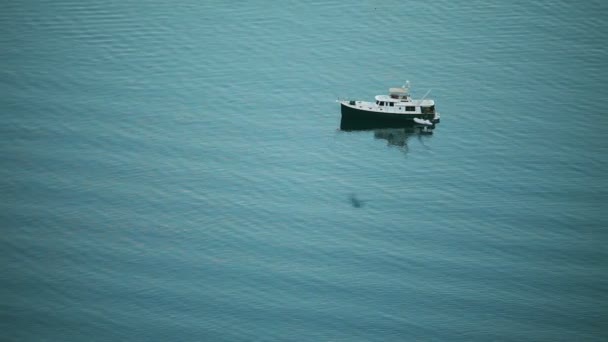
column 175, row 172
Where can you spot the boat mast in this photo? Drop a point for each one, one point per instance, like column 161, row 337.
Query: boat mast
column 422, row 99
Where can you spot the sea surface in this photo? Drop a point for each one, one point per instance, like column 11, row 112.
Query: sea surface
column 175, row 171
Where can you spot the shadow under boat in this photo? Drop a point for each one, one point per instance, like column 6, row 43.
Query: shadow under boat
column 395, row 133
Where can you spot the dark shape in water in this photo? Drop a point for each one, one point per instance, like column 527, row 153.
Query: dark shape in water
column 357, row 203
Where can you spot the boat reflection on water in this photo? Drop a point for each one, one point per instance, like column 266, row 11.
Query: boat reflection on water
column 396, row 134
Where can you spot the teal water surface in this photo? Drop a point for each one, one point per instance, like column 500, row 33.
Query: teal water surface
column 175, row 172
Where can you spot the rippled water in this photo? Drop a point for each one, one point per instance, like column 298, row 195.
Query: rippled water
column 175, row 171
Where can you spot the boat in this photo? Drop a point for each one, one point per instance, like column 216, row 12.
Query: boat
column 397, row 107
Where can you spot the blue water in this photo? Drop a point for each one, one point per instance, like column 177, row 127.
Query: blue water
column 175, row 172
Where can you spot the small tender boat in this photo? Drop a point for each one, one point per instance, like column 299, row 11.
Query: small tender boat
column 397, row 106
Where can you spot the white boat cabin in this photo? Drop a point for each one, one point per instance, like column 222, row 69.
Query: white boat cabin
column 398, row 101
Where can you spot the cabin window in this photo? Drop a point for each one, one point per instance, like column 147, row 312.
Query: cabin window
column 428, row 110
column 382, row 103
column 392, row 104
column 410, row 108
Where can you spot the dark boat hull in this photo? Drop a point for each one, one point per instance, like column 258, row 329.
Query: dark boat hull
column 355, row 113
column 353, row 118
